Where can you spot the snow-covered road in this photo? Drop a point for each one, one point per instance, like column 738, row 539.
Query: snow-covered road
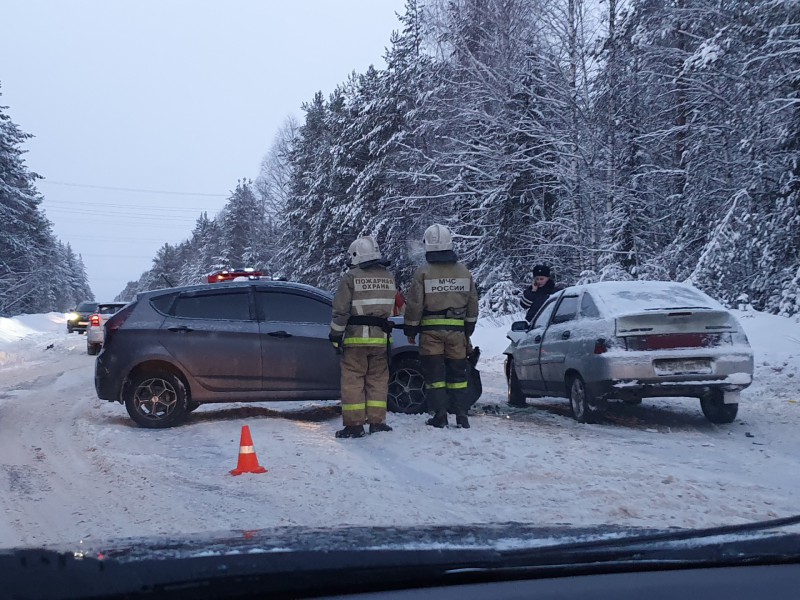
column 73, row 467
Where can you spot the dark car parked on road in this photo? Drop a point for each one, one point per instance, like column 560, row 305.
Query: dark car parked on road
column 173, row 349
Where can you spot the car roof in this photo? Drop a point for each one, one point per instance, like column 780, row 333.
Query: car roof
column 628, row 297
column 260, row 283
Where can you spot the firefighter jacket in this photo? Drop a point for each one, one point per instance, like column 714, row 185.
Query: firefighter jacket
column 366, row 290
column 442, row 296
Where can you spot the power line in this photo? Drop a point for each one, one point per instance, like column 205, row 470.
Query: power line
column 123, row 189
column 72, row 203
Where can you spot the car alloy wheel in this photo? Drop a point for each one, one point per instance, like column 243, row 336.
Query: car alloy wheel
column 156, row 400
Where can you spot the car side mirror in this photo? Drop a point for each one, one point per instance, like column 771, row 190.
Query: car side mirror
column 519, row 326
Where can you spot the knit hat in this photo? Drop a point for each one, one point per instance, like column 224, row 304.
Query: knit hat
column 541, row 271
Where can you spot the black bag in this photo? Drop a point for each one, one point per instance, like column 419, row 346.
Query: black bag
column 474, row 384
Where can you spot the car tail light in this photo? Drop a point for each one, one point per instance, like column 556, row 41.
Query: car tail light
column 116, row 321
column 94, row 320
column 600, row 346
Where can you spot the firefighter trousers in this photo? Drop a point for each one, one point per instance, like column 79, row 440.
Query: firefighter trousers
column 444, row 365
column 365, row 385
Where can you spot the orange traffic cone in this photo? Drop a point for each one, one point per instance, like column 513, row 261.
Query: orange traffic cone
column 248, row 461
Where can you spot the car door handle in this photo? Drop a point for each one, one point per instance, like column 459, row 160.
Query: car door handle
column 280, row 334
column 537, row 339
column 180, row 328
column 565, row 335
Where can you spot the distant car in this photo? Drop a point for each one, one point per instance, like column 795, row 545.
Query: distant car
column 628, row 341
column 97, row 321
column 171, row 350
column 78, row 317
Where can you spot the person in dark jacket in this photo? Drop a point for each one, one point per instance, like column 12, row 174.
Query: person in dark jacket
column 534, row 296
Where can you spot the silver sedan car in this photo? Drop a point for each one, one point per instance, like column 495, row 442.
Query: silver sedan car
column 630, row 340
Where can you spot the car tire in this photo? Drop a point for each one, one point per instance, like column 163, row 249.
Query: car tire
column 715, row 409
column 515, row 396
column 407, row 387
column 92, row 349
column 156, row 399
column 192, row 406
column 585, row 408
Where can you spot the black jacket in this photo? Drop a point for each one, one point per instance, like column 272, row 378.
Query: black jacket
column 533, row 301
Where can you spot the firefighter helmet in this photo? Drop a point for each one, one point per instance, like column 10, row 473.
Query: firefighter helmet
column 437, row 237
column 364, row 249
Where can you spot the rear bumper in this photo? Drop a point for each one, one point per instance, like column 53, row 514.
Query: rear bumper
column 106, row 384
column 633, row 375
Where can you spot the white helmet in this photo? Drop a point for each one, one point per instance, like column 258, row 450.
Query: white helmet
column 437, row 237
column 364, row 249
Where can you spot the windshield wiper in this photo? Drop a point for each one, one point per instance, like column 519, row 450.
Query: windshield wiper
column 693, row 546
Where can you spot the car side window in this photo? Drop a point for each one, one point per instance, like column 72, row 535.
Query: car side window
column 544, row 315
column 228, row 306
column 567, row 310
column 280, row 306
column 588, row 307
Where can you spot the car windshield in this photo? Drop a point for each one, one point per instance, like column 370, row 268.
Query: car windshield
column 324, row 268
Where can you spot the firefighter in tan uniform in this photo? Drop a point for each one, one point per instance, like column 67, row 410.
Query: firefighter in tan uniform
column 360, row 332
column 442, row 307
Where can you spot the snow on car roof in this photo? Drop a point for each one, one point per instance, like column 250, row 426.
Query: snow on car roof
column 626, row 297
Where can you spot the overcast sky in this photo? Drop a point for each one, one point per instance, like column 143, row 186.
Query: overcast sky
column 180, row 96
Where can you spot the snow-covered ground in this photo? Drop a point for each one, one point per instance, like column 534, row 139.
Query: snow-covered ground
column 74, row 468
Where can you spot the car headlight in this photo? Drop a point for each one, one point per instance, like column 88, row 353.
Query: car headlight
column 73, row 316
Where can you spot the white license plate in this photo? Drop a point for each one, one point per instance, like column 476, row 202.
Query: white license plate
column 682, row 367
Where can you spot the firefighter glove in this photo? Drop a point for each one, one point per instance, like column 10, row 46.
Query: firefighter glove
column 336, row 341
column 469, row 328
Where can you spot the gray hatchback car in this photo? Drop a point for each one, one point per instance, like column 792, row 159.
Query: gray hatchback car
column 171, row 350
column 630, row 340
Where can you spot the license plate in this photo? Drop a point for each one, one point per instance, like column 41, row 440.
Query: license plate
column 683, row 367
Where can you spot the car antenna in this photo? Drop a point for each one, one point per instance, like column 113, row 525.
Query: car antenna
column 169, row 283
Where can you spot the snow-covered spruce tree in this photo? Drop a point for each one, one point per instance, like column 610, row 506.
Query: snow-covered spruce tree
column 242, row 223
column 753, row 250
column 505, row 121
column 28, row 248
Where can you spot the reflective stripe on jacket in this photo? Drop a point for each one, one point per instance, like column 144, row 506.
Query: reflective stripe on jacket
column 367, row 291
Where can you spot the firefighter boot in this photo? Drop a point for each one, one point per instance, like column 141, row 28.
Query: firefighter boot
column 376, row 427
column 438, row 420
column 462, row 421
column 351, row 431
